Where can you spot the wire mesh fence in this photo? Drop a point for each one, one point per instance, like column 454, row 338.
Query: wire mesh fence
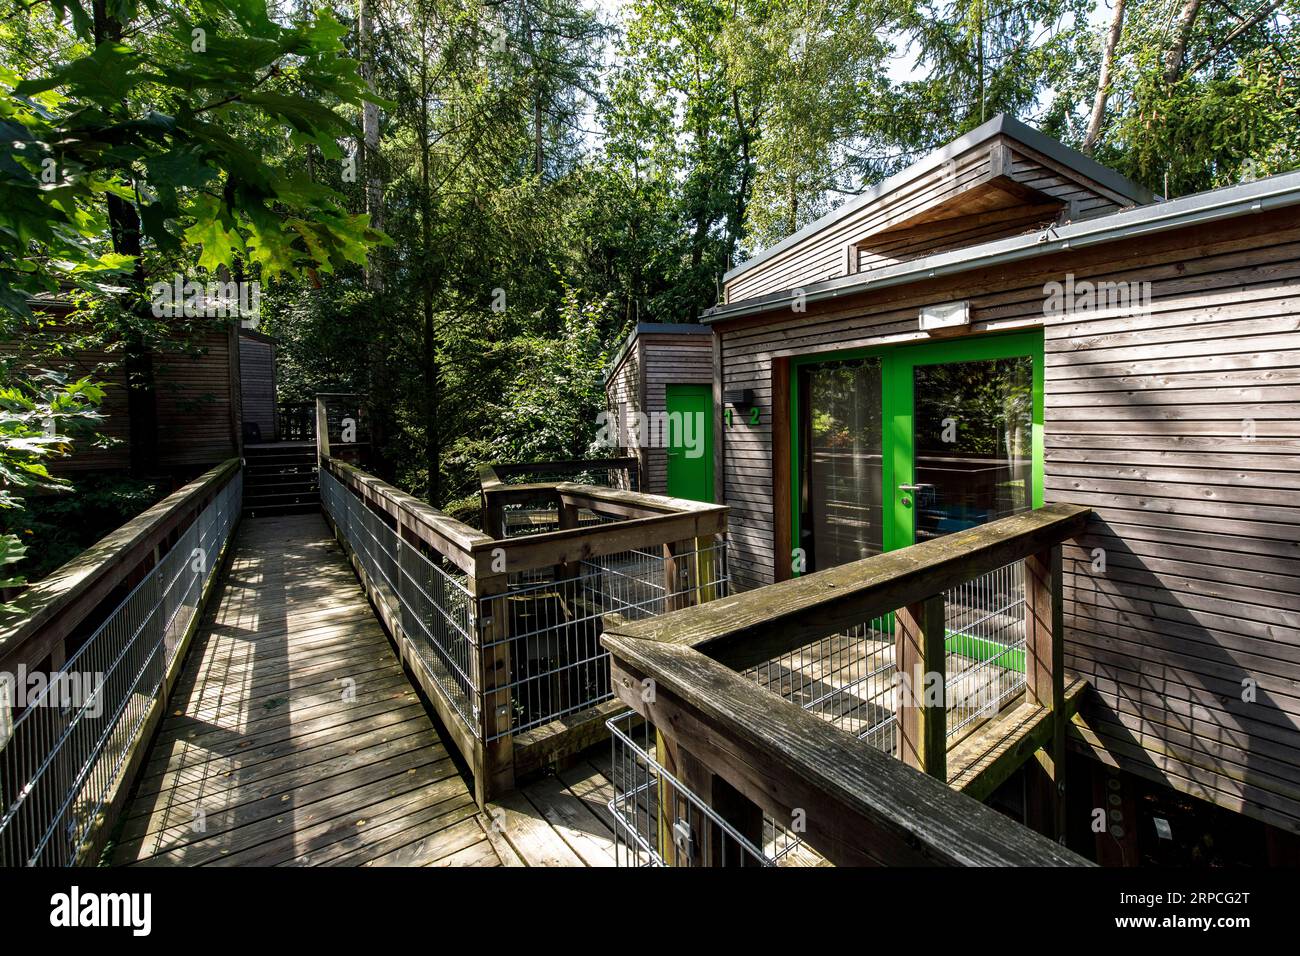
column 659, row 821
column 522, row 520
column 850, row 679
column 558, row 666
column 429, row 599
column 985, row 644
column 63, row 752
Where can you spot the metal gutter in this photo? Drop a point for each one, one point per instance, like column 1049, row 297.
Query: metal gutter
column 1276, row 192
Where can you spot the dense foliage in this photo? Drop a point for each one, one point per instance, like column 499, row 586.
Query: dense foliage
column 458, row 207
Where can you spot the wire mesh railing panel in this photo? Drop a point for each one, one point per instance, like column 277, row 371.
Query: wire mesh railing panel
column 985, row 642
column 62, row 754
column 850, row 679
column 523, row 520
column 658, row 821
column 557, row 664
column 595, row 473
column 847, row 679
column 430, row 603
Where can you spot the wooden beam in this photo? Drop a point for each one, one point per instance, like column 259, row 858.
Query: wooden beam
column 987, row 758
column 1045, row 684
column 920, row 663
column 577, row 544
column 861, row 806
column 761, row 625
column 496, row 775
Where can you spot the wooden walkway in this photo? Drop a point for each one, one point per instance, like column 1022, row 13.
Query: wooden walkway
column 295, row 738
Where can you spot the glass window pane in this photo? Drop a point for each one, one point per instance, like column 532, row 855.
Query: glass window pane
column 973, row 431
column 841, row 517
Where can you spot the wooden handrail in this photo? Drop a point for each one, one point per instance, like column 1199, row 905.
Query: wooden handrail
column 681, row 672
column 650, row 520
column 758, row 625
column 463, row 546
column 49, row 611
column 861, row 806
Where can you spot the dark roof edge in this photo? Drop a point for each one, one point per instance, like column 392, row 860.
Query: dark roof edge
column 651, row 328
column 672, row 328
column 1230, row 201
column 1000, row 124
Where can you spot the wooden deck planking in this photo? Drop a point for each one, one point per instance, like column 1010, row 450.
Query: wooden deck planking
column 558, row 820
column 265, row 761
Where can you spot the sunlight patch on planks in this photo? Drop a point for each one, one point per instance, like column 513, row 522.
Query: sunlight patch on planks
column 265, row 761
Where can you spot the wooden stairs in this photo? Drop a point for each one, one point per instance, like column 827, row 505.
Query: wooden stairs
column 280, row 479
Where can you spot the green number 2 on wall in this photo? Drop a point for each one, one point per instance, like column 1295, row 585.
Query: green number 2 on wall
column 754, row 414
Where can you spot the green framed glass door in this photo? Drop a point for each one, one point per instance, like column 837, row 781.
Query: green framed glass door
column 901, row 444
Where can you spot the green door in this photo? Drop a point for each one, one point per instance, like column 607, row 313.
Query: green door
column 892, row 446
column 689, row 441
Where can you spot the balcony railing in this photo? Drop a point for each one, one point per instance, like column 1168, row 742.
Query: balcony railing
column 503, row 633
column 106, row 634
column 818, row 709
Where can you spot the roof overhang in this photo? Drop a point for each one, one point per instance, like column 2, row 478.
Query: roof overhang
column 1000, row 125
column 1276, row 192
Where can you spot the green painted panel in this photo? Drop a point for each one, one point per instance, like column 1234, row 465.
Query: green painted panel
column 690, row 441
column 898, row 364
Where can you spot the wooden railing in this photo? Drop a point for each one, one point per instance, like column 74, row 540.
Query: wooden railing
column 110, row 629
column 503, row 633
column 720, row 732
column 510, row 506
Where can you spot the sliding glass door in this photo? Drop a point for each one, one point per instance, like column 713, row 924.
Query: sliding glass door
column 896, row 446
column 841, row 508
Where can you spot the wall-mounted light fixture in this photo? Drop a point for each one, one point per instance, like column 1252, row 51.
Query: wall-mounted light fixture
column 945, row 318
column 742, row 399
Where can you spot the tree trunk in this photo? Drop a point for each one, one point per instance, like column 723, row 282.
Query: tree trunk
column 378, row 396
column 432, row 443
column 370, row 136
column 1103, row 80
column 1178, row 48
column 137, row 360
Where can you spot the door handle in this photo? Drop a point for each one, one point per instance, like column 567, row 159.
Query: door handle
column 914, row 488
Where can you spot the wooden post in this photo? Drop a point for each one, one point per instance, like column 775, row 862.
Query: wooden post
column 322, row 430
column 1045, row 686
column 496, row 772
column 711, row 844
column 494, row 516
column 568, row 520
column 920, row 656
column 679, row 574
column 708, row 568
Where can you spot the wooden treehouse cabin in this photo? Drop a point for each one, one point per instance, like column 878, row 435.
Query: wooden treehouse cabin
column 1000, row 533
column 1008, row 329
column 660, row 385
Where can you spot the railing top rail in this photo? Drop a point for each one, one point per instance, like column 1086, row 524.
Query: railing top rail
column 760, row 625
column 576, row 544
column 617, row 501
column 861, row 805
column 495, row 476
column 454, row 540
column 49, row 610
column 649, row 520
